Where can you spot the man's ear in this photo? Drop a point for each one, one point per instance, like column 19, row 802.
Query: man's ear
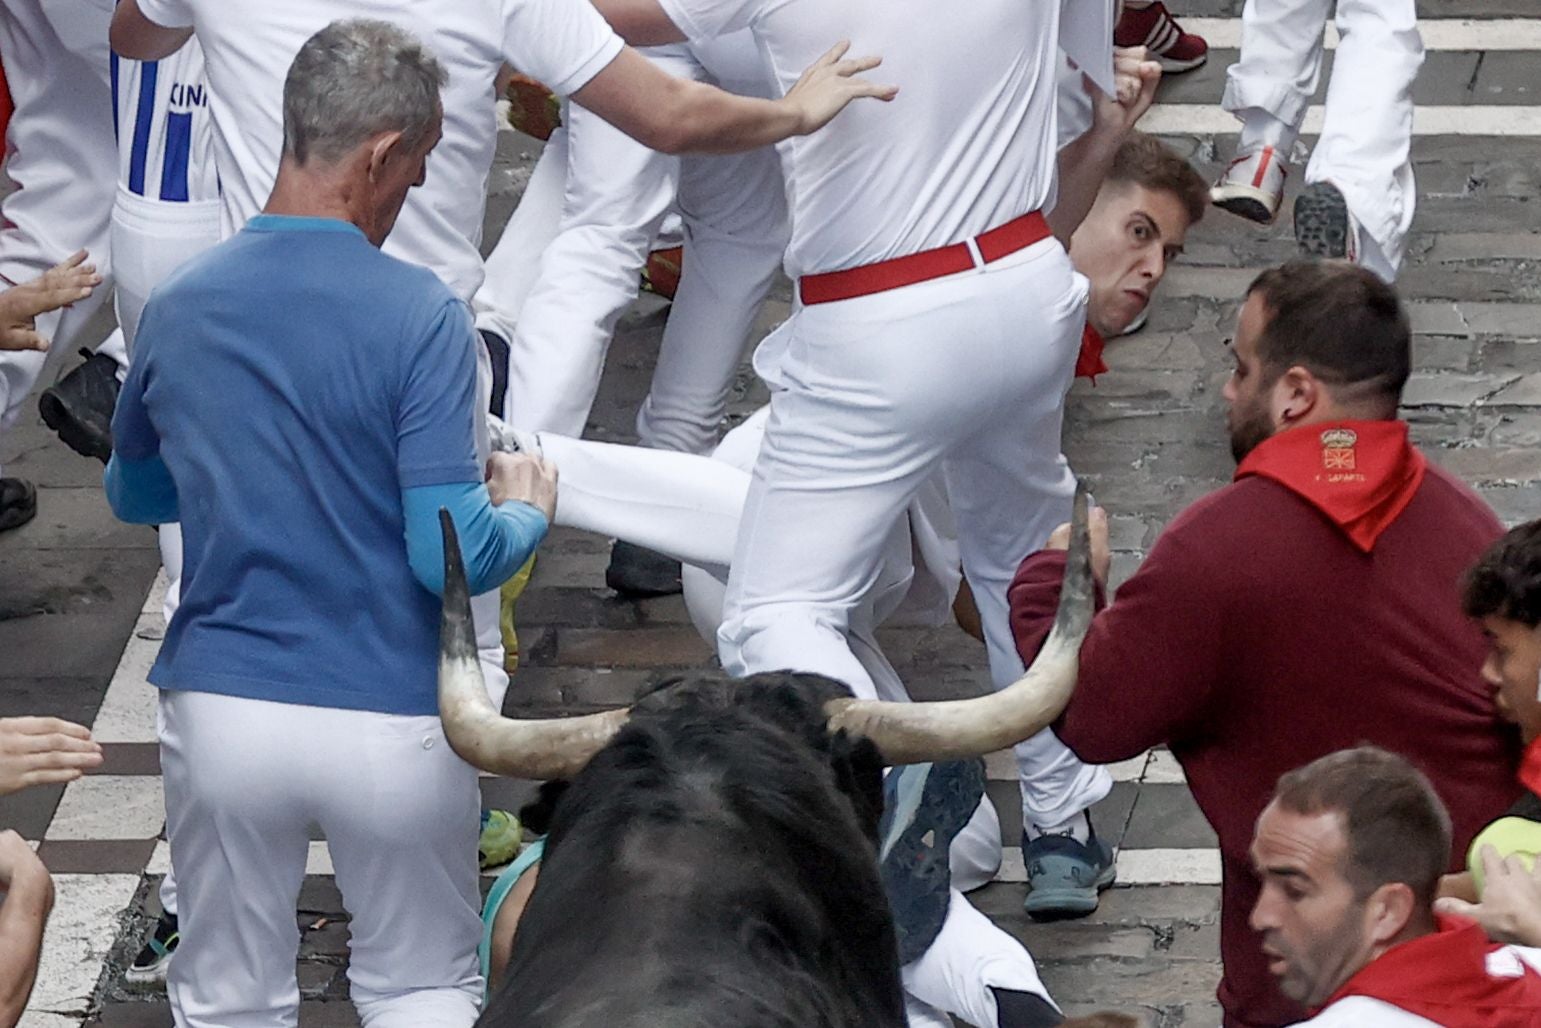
column 386, row 146
column 1295, row 394
column 1388, row 911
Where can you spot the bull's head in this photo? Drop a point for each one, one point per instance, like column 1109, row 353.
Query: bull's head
column 905, row 733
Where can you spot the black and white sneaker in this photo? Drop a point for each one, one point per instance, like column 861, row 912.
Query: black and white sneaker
column 150, row 966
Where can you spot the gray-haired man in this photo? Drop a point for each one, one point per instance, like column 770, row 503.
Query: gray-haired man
column 301, row 402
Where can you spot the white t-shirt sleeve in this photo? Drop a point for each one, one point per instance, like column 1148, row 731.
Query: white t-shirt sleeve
column 170, row 14
column 707, row 19
column 563, row 43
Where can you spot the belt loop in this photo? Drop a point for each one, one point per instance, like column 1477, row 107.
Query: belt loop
column 973, row 252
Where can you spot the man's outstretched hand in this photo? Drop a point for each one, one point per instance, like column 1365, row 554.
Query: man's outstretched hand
column 44, row 751
column 61, row 285
column 829, row 84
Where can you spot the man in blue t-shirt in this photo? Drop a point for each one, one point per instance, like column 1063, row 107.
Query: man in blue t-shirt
column 303, row 405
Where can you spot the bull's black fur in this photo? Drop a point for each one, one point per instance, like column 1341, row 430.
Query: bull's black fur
column 713, row 867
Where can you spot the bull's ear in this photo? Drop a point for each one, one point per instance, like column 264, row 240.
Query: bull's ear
column 858, row 768
column 539, row 812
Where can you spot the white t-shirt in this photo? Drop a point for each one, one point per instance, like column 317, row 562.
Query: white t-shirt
column 968, row 144
column 249, row 45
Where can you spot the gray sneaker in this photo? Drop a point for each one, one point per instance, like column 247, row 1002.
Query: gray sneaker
column 1064, row 875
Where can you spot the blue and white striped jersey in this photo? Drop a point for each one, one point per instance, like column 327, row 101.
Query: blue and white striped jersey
column 165, row 135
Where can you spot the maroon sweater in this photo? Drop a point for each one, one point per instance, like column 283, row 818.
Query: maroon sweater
column 1254, row 639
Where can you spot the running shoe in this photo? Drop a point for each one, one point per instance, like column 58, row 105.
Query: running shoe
column 150, row 966
column 532, row 108
column 1064, row 875
column 79, row 407
column 661, row 274
column 1154, row 28
column 1252, row 185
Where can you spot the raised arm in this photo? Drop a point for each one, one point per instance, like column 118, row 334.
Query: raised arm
column 1085, row 161
column 137, row 37
column 674, row 115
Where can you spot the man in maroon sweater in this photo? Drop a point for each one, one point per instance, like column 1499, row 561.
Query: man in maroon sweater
column 1311, row 606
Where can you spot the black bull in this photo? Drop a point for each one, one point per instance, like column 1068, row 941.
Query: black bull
column 713, row 866
column 713, row 860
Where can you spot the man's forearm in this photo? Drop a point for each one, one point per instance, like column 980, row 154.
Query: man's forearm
column 674, row 115
column 22, row 917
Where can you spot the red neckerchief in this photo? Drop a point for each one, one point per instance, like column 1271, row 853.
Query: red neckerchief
column 1088, row 363
column 1530, row 767
column 1360, row 474
column 1454, row 977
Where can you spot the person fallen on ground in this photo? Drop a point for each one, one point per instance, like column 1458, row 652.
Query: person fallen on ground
column 70, row 280
column 44, row 751
column 1311, row 605
column 297, row 683
column 26, row 899
column 1349, row 852
column 1503, row 592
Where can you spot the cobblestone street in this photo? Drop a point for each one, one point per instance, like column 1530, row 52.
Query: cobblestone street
column 80, row 621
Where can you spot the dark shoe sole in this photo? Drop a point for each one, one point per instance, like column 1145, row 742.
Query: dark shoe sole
column 20, row 511
column 915, row 867
column 79, row 435
column 1321, row 221
column 1246, row 207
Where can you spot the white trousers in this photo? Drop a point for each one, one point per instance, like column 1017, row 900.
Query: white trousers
column 1367, row 134
column 569, row 260
column 246, row 780
column 689, row 508
column 149, row 240
column 968, row 958
column 65, row 163
column 870, row 397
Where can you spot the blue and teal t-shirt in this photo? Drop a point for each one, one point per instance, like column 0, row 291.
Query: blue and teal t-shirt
column 295, row 382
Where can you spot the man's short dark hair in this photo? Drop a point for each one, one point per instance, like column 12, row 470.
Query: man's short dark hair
column 1145, row 161
column 1339, row 322
column 1506, row 580
column 1397, row 829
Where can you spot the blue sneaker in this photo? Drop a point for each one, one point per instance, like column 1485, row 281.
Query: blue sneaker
column 924, row 808
column 1064, row 875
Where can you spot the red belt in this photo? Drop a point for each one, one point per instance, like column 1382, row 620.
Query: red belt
column 1001, row 241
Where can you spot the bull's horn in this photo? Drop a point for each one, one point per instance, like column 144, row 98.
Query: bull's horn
column 911, row 733
column 550, row 748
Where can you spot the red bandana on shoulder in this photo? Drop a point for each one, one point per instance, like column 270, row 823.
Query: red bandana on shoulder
column 1455, row 976
column 1089, row 362
column 1360, row 474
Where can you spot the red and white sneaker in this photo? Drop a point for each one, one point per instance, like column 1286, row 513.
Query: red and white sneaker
column 1155, row 29
column 1252, row 186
